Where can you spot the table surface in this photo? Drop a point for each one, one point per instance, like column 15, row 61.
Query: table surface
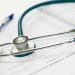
column 7, row 7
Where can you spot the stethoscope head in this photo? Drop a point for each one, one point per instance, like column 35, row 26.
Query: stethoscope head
column 19, row 47
column 22, row 44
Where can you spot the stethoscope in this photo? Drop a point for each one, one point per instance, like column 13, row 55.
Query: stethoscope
column 22, row 43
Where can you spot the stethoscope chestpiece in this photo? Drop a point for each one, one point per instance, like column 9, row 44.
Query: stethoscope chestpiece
column 22, row 44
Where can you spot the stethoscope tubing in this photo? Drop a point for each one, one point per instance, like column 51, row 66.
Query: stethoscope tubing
column 20, row 30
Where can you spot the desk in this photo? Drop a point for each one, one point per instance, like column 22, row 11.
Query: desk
column 65, row 67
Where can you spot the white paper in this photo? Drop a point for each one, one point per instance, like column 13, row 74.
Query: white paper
column 40, row 62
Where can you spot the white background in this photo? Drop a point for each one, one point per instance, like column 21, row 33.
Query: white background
column 65, row 67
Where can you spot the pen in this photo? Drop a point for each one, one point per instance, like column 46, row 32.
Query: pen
column 6, row 21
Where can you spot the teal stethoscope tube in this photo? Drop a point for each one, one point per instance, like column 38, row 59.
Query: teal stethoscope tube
column 20, row 31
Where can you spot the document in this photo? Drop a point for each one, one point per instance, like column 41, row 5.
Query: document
column 54, row 60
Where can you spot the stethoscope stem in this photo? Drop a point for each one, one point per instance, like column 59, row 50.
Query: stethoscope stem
column 5, row 44
column 25, row 44
column 36, row 49
column 70, row 31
